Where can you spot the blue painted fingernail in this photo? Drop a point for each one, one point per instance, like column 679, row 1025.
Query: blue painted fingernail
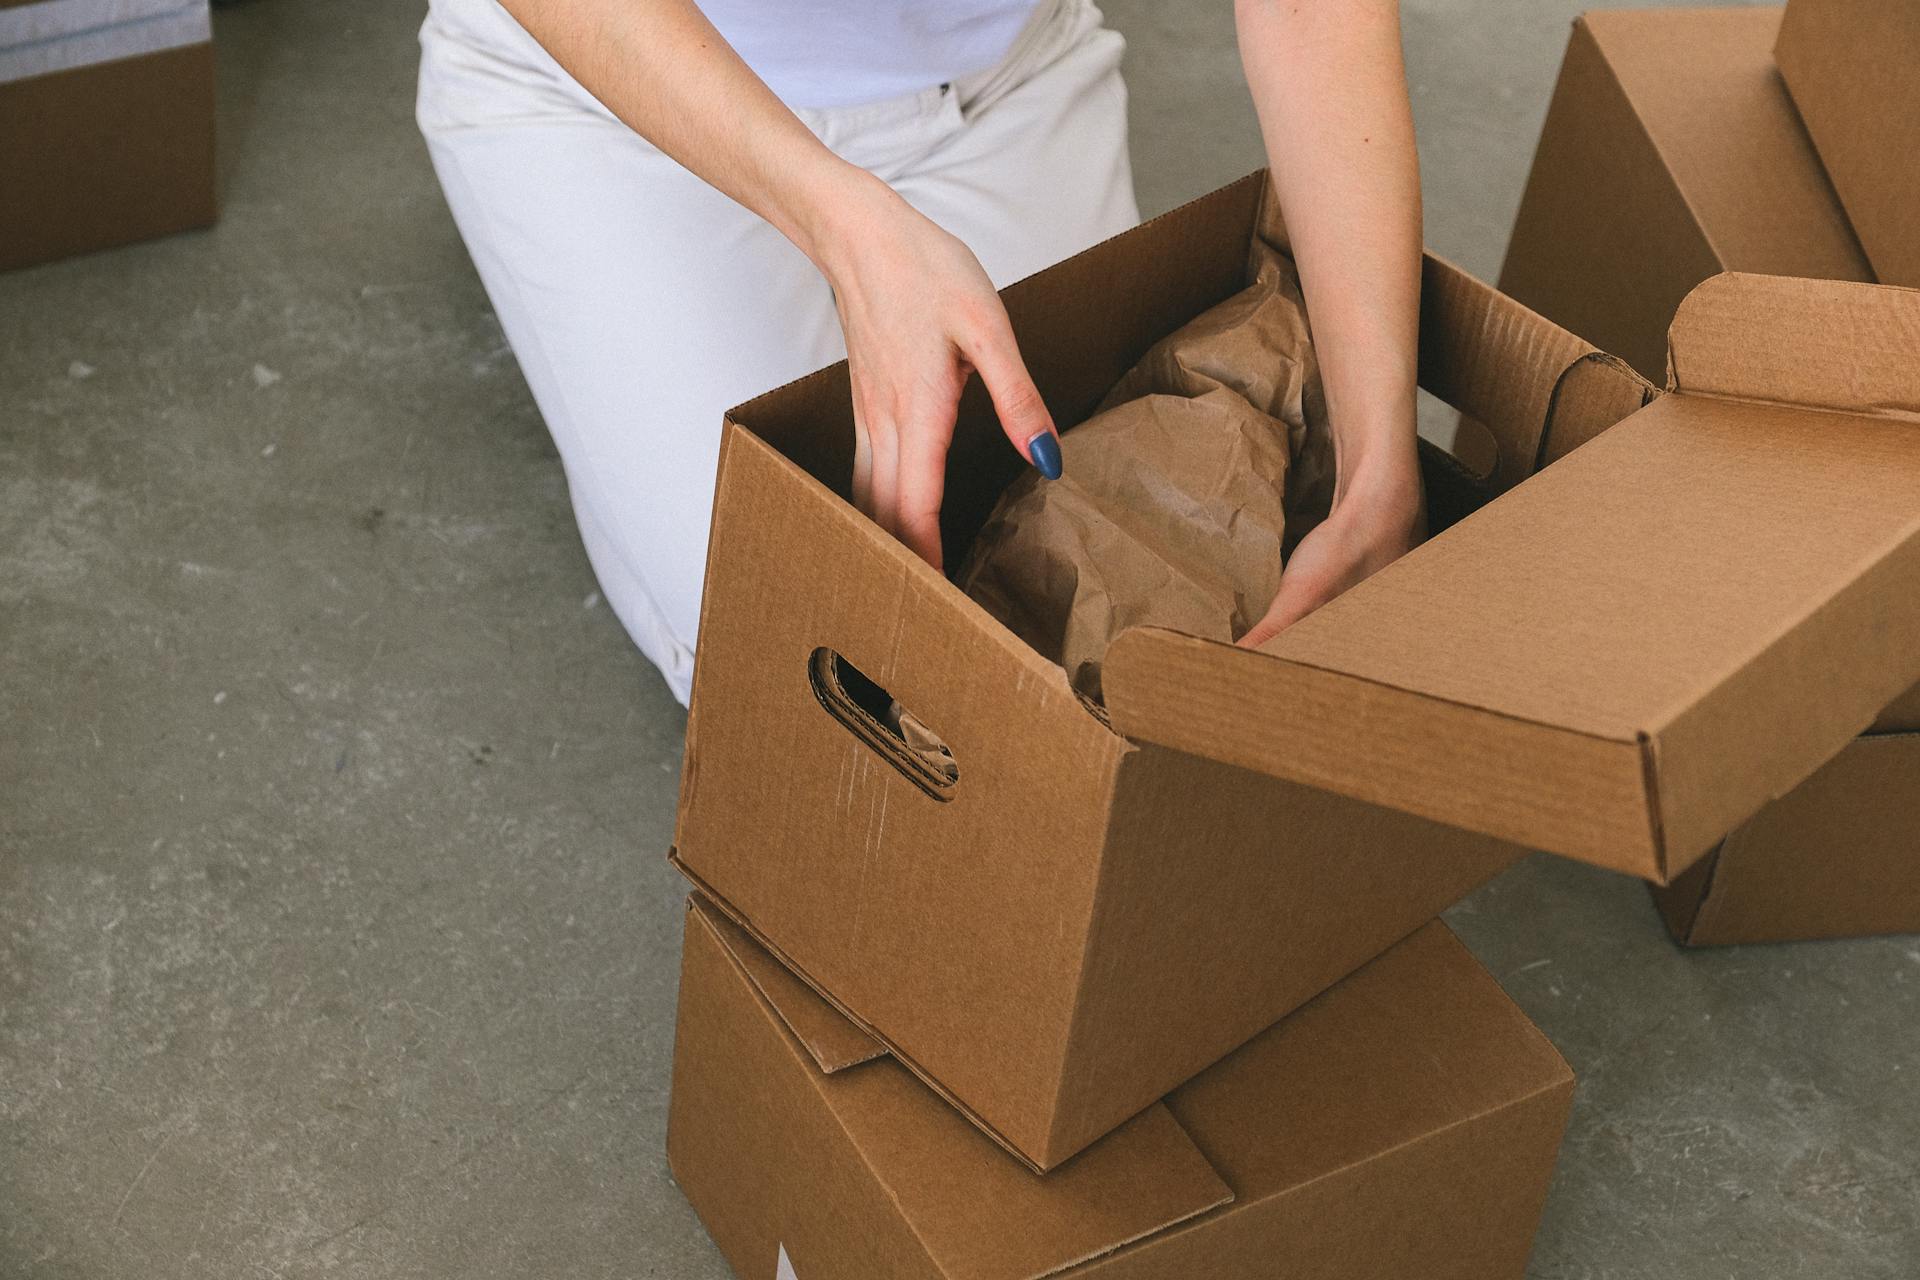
column 1044, row 449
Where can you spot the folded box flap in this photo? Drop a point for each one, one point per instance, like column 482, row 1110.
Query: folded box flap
column 829, row 1038
column 979, row 1213
column 1829, row 344
column 1619, row 660
column 1510, row 369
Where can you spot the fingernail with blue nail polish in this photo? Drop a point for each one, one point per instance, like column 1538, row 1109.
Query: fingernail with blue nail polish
column 1044, row 449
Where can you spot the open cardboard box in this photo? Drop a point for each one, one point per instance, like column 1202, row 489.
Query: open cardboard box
column 1670, row 153
column 106, row 124
column 1853, row 68
column 1404, row 1124
column 1620, row 659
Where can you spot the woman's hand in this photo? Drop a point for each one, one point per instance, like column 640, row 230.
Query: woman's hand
column 919, row 315
column 918, row 311
column 1330, row 88
column 1377, row 520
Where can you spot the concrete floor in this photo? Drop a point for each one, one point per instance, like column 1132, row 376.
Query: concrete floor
column 335, row 937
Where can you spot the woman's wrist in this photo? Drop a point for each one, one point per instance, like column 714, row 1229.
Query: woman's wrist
column 834, row 210
column 1382, row 492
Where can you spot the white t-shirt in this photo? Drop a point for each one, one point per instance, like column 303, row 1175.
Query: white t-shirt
column 839, row 53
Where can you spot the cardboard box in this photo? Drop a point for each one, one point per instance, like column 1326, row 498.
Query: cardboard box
column 1597, row 663
column 1670, row 153
column 1853, row 68
column 106, row 125
column 1404, row 1124
column 1838, row 857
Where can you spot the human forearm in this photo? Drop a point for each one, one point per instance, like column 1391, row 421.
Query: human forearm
column 1329, row 85
column 664, row 70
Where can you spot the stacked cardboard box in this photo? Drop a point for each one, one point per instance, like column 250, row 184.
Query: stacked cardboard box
column 1853, row 68
column 106, row 124
column 1671, row 152
column 1168, row 957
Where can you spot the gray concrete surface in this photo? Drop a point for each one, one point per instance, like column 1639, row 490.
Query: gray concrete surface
column 335, row 938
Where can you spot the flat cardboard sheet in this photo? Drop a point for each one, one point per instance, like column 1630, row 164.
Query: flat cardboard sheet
column 1179, row 497
column 1851, row 67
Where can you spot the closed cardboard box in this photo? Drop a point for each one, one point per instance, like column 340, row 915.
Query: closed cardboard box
column 106, row 124
column 1620, row 659
column 1404, row 1124
column 1671, row 152
column 1853, row 67
column 1837, row 857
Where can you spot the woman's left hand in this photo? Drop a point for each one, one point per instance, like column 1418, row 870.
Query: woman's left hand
column 1373, row 523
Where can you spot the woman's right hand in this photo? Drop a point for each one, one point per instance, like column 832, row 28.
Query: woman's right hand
column 919, row 315
column 918, row 311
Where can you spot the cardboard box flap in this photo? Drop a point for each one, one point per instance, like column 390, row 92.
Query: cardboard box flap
column 824, row 1032
column 1503, row 366
column 947, row 1178
column 1829, row 344
column 1903, row 716
column 1424, row 1031
column 1618, row 661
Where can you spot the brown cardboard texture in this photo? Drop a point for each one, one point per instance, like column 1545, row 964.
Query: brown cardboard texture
column 1838, row 857
column 106, row 154
column 1403, row 1124
column 1853, row 68
column 1596, row 663
column 1074, row 922
column 1670, row 153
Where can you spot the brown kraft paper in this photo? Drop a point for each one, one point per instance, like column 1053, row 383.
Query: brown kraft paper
column 1179, row 496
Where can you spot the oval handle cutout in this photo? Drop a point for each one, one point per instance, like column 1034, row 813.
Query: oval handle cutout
column 876, row 717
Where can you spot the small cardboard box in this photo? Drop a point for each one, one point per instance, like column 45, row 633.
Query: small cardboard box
column 1619, row 659
column 1404, row 1124
column 106, row 125
column 1853, row 68
column 1837, row 857
column 1670, row 153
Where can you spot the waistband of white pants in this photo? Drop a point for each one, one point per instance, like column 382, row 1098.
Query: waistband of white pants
column 1049, row 30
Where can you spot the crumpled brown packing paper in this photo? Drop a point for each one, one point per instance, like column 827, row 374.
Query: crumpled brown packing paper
column 1206, row 462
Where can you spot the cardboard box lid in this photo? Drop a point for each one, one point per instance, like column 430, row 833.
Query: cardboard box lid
column 1424, row 1033
column 1851, row 68
column 947, row 1178
column 1624, row 657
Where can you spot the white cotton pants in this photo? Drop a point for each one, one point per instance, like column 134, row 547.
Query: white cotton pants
column 642, row 304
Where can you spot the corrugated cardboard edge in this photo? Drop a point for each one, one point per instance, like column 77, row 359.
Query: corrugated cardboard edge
column 1596, row 392
column 1345, row 733
column 720, row 904
column 1817, row 344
